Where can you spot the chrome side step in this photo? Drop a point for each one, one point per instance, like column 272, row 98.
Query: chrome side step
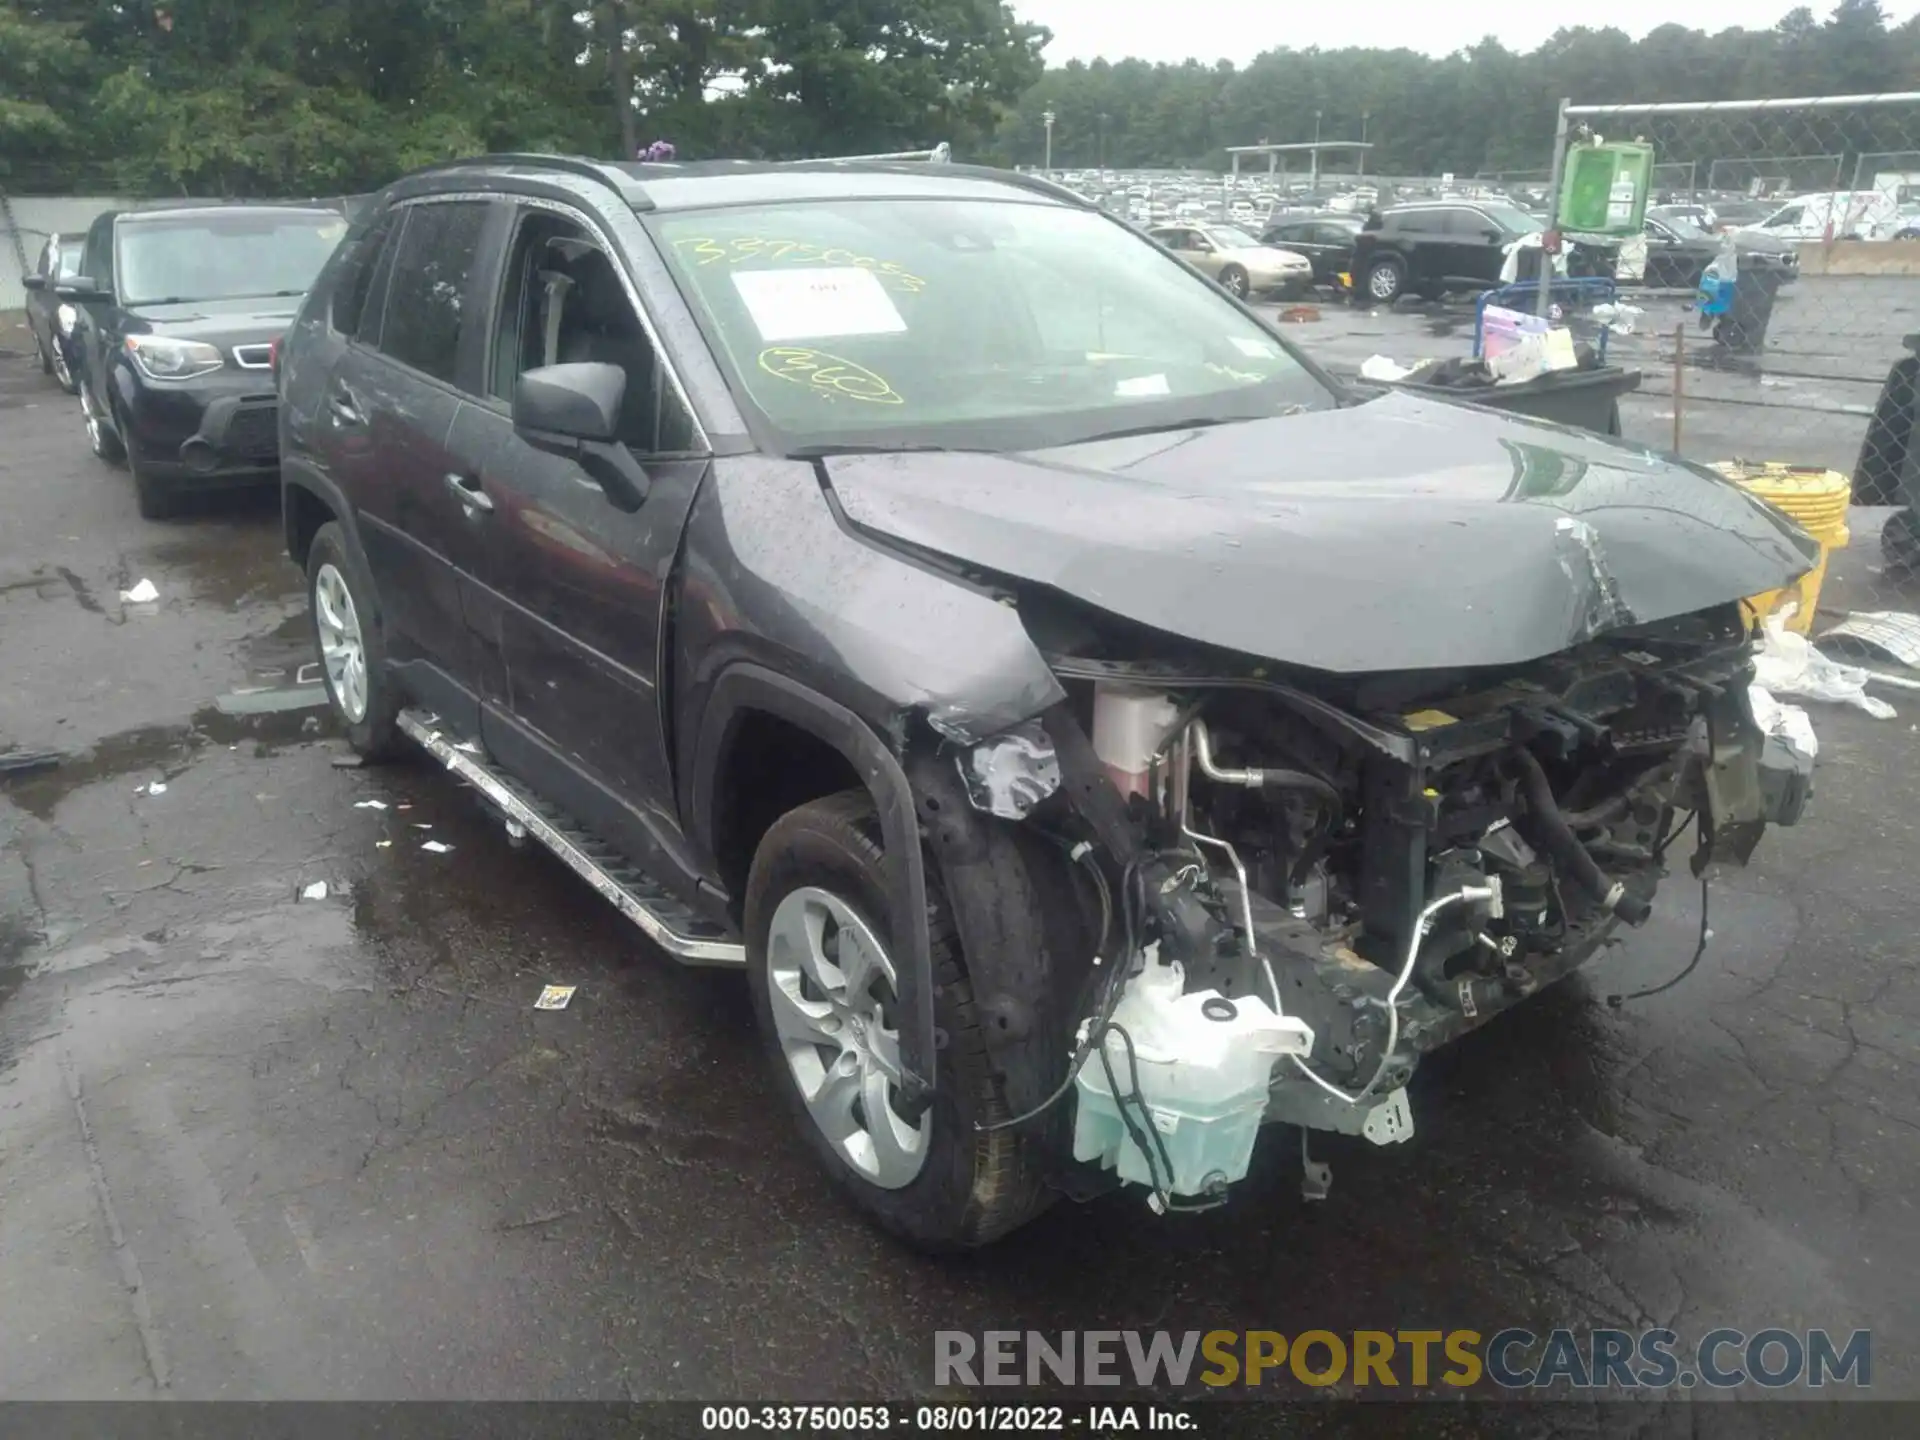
column 683, row 934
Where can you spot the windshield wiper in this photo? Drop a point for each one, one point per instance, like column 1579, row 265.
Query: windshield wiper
column 821, row 451
column 1160, row 426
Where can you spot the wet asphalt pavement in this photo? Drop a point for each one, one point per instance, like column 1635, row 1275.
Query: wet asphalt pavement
column 253, row 1145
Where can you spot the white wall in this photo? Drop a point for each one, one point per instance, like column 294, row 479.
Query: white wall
column 36, row 217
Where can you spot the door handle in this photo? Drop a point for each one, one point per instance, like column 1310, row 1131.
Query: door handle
column 467, row 489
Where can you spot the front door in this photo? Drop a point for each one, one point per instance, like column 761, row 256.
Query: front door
column 392, row 402
column 577, row 585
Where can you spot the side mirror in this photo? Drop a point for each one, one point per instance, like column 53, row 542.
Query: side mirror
column 573, row 411
column 81, row 289
column 33, row 282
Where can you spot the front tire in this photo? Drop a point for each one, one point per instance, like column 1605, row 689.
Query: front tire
column 1385, row 280
column 63, row 367
column 1235, row 281
column 820, row 968
column 353, row 655
column 102, row 439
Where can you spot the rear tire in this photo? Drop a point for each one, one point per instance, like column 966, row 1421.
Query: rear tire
column 1385, row 280
column 1235, row 281
column 46, row 356
column 363, row 695
column 970, row 1186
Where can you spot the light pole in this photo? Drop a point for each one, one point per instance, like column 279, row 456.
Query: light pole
column 1315, row 180
column 1365, row 115
column 1047, row 118
column 1103, row 142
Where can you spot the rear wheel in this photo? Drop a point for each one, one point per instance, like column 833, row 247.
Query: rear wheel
column 821, row 966
column 1386, row 278
column 353, row 654
column 62, row 367
column 46, row 356
column 1236, row 282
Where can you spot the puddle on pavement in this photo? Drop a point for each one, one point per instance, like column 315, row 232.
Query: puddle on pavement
column 234, row 562
column 168, row 750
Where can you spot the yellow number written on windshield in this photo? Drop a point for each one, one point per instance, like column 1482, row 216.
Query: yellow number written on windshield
column 740, row 249
column 828, row 375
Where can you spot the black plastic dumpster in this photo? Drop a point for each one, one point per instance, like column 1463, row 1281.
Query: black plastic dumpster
column 1744, row 327
column 1589, row 399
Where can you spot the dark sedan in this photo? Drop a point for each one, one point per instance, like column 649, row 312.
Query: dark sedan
column 50, row 318
column 1326, row 240
column 1679, row 251
column 179, row 313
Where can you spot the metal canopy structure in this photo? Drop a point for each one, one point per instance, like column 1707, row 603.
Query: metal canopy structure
column 1311, row 147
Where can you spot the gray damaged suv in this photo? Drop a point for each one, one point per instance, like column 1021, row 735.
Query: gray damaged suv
column 1095, row 732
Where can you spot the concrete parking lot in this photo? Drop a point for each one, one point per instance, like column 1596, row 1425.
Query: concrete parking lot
column 254, row 1145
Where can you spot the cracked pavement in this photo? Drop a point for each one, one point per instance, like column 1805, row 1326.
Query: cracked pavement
column 256, row 1146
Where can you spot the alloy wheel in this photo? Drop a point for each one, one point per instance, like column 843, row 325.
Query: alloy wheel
column 342, row 650
column 95, row 436
column 832, row 988
column 62, row 371
column 1382, row 283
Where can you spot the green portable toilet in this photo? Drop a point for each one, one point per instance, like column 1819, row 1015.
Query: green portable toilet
column 1605, row 187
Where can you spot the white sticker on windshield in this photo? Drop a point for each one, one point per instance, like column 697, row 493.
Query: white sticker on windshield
column 1259, row 349
column 1138, row 386
column 802, row 304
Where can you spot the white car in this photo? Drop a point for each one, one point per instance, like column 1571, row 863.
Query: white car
column 1831, row 215
column 1239, row 262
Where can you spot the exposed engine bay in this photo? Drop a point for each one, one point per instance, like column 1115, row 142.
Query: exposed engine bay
column 1305, row 884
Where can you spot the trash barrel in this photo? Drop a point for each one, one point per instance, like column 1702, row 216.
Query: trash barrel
column 1816, row 500
column 1588, row 399
column 1744, row 327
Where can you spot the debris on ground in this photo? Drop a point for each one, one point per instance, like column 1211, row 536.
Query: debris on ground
column 434, row 847
column 316, row 891
column 349, row 762
column 369, row 804
column 554, row 997
column 1876, row 635
column 1379, row 367
column 1299, row 315
column 152, row 787
column 1788, row 664
column 144, row 593
column 28, row 762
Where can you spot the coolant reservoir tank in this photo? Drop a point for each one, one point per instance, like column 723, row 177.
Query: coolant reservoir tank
column 1201, row 1063
column 1129, row 727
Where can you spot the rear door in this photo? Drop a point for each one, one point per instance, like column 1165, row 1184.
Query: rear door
column 577, row 585
column 1475, row 246
column 391, row 403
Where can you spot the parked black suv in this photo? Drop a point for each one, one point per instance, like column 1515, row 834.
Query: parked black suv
column 50, row 318
column 1433, row 247
column 1094, row 731
column 179, row 310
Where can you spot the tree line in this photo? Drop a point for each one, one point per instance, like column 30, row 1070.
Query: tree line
column 278, row 97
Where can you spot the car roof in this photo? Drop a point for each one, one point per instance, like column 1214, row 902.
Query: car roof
column 204, row 211
column 699, row 185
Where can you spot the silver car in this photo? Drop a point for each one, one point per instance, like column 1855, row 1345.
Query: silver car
column 1233, row 257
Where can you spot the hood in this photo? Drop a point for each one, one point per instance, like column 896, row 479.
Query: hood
column 1400, row 534
column 219, row 322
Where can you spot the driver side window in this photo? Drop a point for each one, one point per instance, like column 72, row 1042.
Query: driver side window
column 565, row 303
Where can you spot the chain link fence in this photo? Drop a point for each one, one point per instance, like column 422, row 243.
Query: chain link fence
column 1809, row 366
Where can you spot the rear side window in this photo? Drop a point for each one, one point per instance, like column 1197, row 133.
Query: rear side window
column 356, row 278
column 428, row 293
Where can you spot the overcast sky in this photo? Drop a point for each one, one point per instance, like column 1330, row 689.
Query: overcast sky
column 1237, row 30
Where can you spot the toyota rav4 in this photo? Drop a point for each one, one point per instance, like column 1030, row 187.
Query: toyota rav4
column 1094, row 732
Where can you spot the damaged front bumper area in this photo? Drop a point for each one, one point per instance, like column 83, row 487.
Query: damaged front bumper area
column 1294, row 889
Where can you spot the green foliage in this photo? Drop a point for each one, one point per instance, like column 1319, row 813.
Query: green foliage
column 258, row 97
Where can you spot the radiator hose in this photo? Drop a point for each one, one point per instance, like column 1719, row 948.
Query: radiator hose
column 1552, row 833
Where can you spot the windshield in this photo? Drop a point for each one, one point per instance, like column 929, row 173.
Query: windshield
column 231, row 256
column 967, row 323
column 1512, row 219
column 1685, row 221
column 1232, row 237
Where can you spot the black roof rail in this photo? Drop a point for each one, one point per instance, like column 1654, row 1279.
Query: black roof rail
column 603, row 171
